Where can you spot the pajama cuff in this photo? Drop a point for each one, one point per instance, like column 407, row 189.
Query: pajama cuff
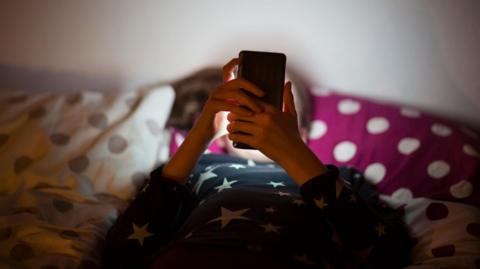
column 322, row 184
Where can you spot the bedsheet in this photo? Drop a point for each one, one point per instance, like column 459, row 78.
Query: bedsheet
column 69, row 162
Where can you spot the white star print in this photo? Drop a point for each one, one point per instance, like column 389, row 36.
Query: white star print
column 140, row 233
column 225, row 185
column 281, row 193
column 270, row 210
column 270, row 228
column 211, row 167
column 237, row 166
column 203, row 177
column 227, row 216
column 276, row 184
column 380, row 229
column 251, row 163
column 320, row 203
column 298, row 202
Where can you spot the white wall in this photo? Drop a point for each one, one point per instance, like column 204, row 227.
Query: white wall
column 424, row 53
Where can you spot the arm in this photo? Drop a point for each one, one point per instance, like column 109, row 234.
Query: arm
column 380, row 240
column 148, row 223
column 226, row 97
column 151, row 219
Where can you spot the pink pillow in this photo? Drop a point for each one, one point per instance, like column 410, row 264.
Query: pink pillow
column 406, row 153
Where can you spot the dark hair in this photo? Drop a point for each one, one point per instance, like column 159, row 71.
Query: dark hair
column 191, row 93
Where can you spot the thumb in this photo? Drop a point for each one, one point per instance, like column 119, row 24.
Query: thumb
column 288, row 103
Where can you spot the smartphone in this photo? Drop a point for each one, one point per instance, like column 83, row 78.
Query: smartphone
column 267, row 71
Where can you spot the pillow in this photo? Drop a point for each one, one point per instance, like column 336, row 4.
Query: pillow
column 444, row 234
column 405, row 152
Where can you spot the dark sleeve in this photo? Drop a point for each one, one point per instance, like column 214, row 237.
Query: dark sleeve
column 148, row 223
column 382, row 239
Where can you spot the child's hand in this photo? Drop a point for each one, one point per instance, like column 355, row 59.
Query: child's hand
column 276, row 134
column 228, row 97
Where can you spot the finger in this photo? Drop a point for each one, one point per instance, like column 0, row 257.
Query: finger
column 242, row 138
column 244, row 127
column 240, row 97
column 288, row 100
column 240, row 83
column 232, row 116
column 220, row 105
column 228, row 69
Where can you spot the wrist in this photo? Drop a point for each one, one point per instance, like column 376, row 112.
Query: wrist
column 203, row 129
column 303, row 165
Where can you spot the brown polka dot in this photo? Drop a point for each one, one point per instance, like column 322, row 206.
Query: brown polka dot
column 18, row 99
column 154, row 127
column 21, row 252
column 79, row 164
column 5, row 233
column 138, row 179
column 443, row 251
column 61, row 205
column 436, row 211
column 73, row 98
column 59, row 139
column 474, row 229
column 3, row 139
column 68, row 234
column 131, row 102
column 99, row 121
column 37, row 113
column 21, row 163
column 117, row 144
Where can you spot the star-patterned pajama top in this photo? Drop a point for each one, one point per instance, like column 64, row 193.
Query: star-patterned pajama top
column 233, row 205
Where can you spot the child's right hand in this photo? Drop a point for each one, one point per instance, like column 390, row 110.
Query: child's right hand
column 228, row 97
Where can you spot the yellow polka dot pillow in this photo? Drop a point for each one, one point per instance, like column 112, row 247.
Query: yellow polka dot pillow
column 405, row 152
column 101, row 142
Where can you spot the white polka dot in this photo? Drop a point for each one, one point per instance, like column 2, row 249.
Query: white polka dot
column 344, row 151
column 441, row 130
column 318, row 129
column 402, row 195
column 179, row 139
column 469, row 132
column 377, row 125
column 462, row 189
column 409, row 112
column 408, row 145
column 438, row 169
column 375, row 172
column 470, row 150
column 348, row 106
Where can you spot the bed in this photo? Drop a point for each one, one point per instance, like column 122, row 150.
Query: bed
column 71, row 162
